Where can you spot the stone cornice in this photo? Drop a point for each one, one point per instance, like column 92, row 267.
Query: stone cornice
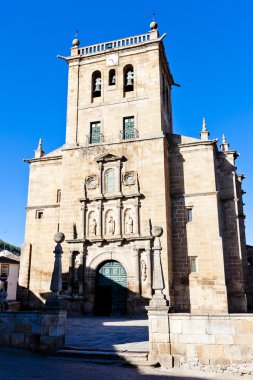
column 42, row 159
column 39, row 207
column 201, row 194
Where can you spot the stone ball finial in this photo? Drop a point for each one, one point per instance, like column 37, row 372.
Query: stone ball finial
column 153, row 25
column 157, row 231
column 75, row 42
column 59, row 237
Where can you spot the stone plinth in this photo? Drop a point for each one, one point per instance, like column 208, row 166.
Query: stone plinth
column 159, row 336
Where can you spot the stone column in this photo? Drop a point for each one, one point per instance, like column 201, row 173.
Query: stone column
column 119, row 220
column 100, row 166
column 136, row 228
column 84, row 219
column 70, row 281
column 137, row 271
column 149, row 273
column 54, row 301
column 99, row 222
column 119, row 177
column 80, row 274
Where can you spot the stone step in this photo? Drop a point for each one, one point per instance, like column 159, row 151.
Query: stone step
column 107, row 356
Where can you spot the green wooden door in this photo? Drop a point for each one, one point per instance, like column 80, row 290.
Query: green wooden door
column 111, row 289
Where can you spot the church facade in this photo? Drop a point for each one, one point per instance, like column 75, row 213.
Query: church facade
column 123, row 175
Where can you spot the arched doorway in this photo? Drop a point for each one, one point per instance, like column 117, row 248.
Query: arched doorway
column 111, row 289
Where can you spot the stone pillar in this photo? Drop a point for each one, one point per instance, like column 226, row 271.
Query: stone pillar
column 149, row 273
column 119, row 177
column 84, row 219
column 70, row 280
column 137, row 272
column 158, row 312
column 80, row 274
column 118, row 221
column 54, row 301
column 99, row 222
column 100, row 166
column 136, row 229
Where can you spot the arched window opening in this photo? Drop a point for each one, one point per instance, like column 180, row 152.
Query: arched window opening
column 128, row 78
column 112, row 77
column 109, row 181
column 96, row 84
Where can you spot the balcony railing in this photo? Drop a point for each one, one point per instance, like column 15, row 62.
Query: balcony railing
column 94, row 139
column 130, row 133
column 123, row 42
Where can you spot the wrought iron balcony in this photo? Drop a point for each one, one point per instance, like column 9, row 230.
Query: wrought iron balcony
column 95, row 138
column 129, row 133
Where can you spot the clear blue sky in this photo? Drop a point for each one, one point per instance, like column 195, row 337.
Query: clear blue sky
column 209, row 47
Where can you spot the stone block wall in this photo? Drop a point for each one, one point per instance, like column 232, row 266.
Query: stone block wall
column 211, row 339
column 36, row 330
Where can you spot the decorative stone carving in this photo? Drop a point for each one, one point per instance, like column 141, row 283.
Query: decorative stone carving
column 110, row 227
column 59, row 237
column 143, row 270
column 92, row 225
column 129, row 223
column 157, row 231
column 92, row 182
column 129, row 178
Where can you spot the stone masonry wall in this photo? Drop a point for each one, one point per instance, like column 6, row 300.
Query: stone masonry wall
column 211, row 340
column 36, row 330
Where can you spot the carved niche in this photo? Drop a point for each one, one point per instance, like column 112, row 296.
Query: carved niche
column 92, row 226
column 128, row 222
column 109, row 223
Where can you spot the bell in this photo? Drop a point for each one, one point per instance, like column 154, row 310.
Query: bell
column 114, row 79
column 97, row 85
column 130, row 77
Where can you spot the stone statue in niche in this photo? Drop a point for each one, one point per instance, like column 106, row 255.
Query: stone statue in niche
column 129, row 224
column 143, row 270
column 110, row 226
column 93, row 226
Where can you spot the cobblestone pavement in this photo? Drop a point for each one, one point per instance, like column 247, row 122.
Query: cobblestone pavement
column 107, row 333
column 17, row 364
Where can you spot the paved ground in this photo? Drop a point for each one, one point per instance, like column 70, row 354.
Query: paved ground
column 16, row 364
column 107, row 333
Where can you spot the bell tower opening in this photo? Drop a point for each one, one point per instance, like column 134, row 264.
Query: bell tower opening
column 111, row 289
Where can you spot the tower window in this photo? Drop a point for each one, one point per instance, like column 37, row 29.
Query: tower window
column 128, row 78
column 129, row 132
column 39, row 214
column 189, row 214
column 95, row 132
column 96, row 84
column 112, row 77
column 193, row 264
column 109, row 181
